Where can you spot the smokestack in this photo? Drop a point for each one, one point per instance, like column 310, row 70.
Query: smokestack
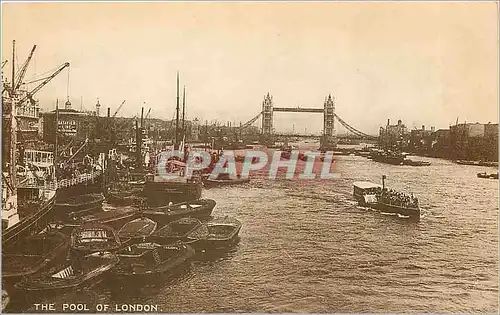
column 142, row 117
column 138, row 143
column 423, row 127
column 388, row 121
column 109, row 112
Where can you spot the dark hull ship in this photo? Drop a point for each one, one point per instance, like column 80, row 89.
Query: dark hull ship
column 137, row 229
column 150, row 262
column 75, row 273
column 32, row 255
column 77, row 206
column 30, row 224
column 175, row 231
column 387, row 158
column 163, row 193
column 215, row 234
column 485, row 175
column 201, row 209
column 415, row 163
column 94, row 237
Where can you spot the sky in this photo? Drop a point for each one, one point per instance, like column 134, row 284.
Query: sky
column 426, row 63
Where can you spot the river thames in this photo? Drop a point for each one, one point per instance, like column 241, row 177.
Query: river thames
column 307, row 247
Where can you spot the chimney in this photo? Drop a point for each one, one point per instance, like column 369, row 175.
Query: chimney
column 388, row 121
column 423, row 127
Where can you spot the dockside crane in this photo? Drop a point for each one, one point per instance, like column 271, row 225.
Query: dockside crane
column 22, row 72
column 118, row 109
column 41, row 85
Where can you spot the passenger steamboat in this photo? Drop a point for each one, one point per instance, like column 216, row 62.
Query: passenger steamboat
column 380, row 198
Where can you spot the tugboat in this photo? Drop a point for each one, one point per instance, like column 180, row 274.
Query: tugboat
column 176, row 231
column 389, row 157
column 150, row 262
column 161, row 190
column 215, row 234
column 386, row 201
column 139, row 228
column 201, row 208
column 32, row 255
column 80, row 272
column 94, row 237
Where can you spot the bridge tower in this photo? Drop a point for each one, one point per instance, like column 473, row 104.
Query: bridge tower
column 328, row 139
column 267, row 118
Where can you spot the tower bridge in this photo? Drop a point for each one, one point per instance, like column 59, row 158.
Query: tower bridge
column 327, row 139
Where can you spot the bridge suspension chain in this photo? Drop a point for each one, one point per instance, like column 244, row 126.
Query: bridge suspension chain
column 251, row 121
column 352, row 129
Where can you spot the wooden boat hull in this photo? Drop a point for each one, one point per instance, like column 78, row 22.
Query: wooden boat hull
column 210, row 244
column 215, row 234
column 175, row 231
column 94, row 237
column 124, row 199
column 167, row 214
column 125, row 274
column 95, row 267
column 18, row 263
column 224, row 182
column 79, row 206
column 115, row 218
column 137, row 229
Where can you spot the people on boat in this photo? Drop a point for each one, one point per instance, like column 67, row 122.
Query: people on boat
column 400, row 199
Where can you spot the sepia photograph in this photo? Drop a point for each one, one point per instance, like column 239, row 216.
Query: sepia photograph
column 250, row 157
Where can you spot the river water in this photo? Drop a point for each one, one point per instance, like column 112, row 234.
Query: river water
column 307, row 247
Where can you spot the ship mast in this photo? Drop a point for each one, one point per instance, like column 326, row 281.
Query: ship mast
column 184, row 112
column 177, row 116
column 13, row 125
column 55, row 141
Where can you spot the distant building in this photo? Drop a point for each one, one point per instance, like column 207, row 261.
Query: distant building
column 421, row 140
column 195, row 130
column 394, row 137
column 71, row 123
column 442, row 145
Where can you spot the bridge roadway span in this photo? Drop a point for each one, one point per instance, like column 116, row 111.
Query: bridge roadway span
column 298, row 110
